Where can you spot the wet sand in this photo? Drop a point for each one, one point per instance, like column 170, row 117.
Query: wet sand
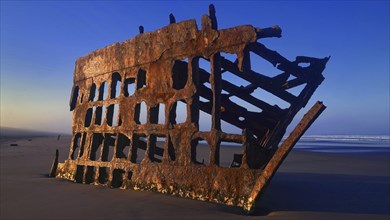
column 307, row 186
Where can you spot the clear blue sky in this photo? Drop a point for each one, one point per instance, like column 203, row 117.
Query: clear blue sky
column 40, row 41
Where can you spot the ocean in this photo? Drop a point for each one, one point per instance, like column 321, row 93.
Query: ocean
column 344, row 144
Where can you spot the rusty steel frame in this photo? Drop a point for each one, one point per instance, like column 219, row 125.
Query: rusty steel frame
column 163, row 67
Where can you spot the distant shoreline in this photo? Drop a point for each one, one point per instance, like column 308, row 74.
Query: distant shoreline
column 8, row 132
column 23, row 132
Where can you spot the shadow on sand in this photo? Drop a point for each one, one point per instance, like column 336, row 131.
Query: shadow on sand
column 308, row 192
column 326, row 193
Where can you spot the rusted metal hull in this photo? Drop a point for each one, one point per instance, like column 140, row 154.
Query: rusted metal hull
column 162, row 69
column 231, row 186
column 207, row 183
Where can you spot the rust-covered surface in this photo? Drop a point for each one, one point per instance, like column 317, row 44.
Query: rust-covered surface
column 154, row 72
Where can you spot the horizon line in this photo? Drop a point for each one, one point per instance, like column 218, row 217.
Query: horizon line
column 7, row 129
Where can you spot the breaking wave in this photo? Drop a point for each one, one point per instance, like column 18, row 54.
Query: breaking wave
column 345, row 143
column 352, row 138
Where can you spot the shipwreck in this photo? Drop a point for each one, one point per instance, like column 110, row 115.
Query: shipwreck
column 152, row 74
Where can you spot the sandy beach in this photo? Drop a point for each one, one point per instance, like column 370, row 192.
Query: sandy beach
column 308, row 185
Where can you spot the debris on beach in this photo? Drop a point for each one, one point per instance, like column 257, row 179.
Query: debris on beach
column 179, row 65
column 13, row 145
column 54, row 165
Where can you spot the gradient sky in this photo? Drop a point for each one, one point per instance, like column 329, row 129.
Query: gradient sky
column 40, row 41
